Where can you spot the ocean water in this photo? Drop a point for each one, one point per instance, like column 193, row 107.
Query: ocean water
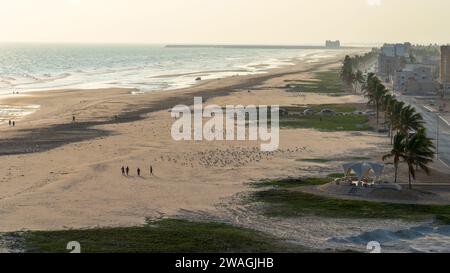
column 29, row 67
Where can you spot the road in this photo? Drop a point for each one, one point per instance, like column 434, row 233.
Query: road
column 431, row 119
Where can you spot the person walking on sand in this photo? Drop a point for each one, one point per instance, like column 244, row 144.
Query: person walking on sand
column 139, row 172
column 123, row 171
column 128, row 171
column 14, row 124
column 10, row 122
column 151, row 170
column 74, row 119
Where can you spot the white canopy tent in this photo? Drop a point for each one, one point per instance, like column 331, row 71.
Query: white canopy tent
column 364, row 170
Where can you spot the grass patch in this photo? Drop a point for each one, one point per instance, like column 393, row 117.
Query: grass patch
column 444, row 219
column 289, row 203
column 336, row 175
column 294, row 182
column 294, row 118
column 339, row 108
column 315, row 160
column 326, row 123
column 165, row 236
column 324, row 82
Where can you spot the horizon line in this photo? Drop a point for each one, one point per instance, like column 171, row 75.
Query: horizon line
column 189, row 43
column 224, row 45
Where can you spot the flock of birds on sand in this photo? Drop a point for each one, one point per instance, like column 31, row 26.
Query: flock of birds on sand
column 228, row 158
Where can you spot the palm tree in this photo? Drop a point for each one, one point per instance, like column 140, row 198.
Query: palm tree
column 377, row 91
column 395, row 110
column 386, row 104
column 417, row 151
column 367, row 83
column 409, row 120
column 398, row 152
column 420, row 151
column 359, row 79
column 347, row 71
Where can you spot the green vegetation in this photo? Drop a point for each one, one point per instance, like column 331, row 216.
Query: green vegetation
column 295, row 118
column 338, row 108
column 361, row 61
column 165, row 236
column 376, row 93
column 284, row 199
column 351, row 74
column 291, row 183
column 315, row 160
column 325, row 160
column 326, row 123
column 347, row 74
column 289, row 203
column 415, row 149
column 324, row 82
column 336, row 175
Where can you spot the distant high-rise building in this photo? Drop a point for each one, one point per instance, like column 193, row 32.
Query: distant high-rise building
column 445, row 67
column 333, row 44
column 396, row 50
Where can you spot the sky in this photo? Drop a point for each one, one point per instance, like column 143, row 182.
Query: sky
column 224, row 21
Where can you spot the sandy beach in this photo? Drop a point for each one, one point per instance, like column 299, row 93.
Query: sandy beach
column 57, row 174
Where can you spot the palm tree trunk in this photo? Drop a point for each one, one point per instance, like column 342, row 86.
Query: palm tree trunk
column 378, row 114
column 392, row 134
column 396, row 173
column 410, row 184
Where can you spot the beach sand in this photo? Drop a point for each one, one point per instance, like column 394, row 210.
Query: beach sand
column 56, row 174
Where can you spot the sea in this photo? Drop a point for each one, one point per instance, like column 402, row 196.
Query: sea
column 33, row 67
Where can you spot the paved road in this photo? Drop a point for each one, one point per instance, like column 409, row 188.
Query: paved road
column 431, row 120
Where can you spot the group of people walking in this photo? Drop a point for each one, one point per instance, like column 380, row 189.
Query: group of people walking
column 12, row 123
column 126, row 171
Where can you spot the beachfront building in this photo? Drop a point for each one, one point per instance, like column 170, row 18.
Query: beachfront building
column 363, row 172
column 361, row 178
column 433, row 61
column 445, row 69
column 395, row 50
column 333, row 44
column 387, row 65
column 417, row 79
column 392, row 58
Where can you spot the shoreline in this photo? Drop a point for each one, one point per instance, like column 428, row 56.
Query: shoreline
column 63, row 175
column 167, row 99
column 172, row 79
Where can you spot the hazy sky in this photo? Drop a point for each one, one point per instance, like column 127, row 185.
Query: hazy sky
column 225, row 21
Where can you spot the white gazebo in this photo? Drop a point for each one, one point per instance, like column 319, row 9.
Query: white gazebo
column 364, row 171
